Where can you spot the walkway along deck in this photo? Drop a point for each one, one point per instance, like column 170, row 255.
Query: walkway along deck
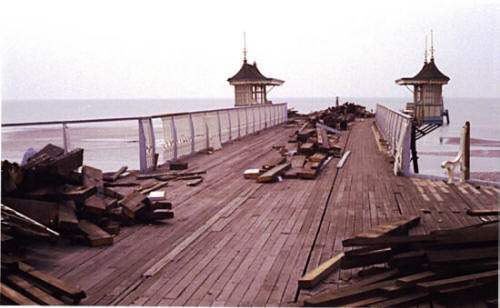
column 238, row 242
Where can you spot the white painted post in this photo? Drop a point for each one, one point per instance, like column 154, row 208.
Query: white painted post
column 229, row 120
column 220, row 127
column 66, row 140
column 239, row 123
column 174, row 136
column 192, row 132
column 246, row 119
column 142, row 147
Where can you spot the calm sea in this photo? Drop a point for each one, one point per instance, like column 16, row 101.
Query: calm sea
column 483, row 115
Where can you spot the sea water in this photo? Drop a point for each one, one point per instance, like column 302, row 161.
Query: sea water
column 103, row 141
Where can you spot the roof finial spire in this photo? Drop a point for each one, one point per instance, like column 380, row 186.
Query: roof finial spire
column 244, row 47
column 432, row 46
column 425, row 57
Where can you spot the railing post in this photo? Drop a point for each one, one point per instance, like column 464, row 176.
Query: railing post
column 467, row 151
column 192, row 131
column 246, row 119
column 239, row 123
column 66, row 140
column 230, row 128
column 260, row 119
column 174, row 137
column 146, row 149
column 285, row 112
column 207, row 131
column 220, row 127
column 142, row 147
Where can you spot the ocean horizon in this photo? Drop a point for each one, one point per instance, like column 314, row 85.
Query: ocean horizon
column 482, row 113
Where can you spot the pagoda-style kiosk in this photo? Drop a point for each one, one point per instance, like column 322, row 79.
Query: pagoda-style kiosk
column 427, row 108
column 250, row 86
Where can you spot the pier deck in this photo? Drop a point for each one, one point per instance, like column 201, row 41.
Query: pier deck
column 237, row 242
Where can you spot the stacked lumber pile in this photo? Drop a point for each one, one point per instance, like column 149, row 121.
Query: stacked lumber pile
column 22, row 284
column 340, row 116
column 311, row 147
column 445, row 266
column 48, row 197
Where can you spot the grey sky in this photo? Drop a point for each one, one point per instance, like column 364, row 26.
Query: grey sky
column 161, row 49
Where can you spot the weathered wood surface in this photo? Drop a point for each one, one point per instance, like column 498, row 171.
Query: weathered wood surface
column 238, row 242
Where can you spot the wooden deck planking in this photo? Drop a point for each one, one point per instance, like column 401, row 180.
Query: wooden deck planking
column 237, row 242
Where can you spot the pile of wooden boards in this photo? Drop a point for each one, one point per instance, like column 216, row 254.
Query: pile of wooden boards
column 23, row 284
column 445, row 266
column 339, row 117
column 47, row 196
column 311, row 147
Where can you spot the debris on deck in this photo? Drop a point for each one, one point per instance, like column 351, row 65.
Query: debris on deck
column 446, row 266
column 47, row 197
column 311, row 147
column 25, row 285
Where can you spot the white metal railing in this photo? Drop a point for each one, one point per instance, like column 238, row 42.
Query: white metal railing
column 395, row 127
column 184, row 134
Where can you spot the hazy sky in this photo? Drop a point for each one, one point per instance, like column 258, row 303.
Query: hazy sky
column 161, row 49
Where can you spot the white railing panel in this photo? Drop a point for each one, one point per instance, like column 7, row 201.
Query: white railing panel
column 243, row 121
column 183, row 130
column 233, row 115
column 395, row 127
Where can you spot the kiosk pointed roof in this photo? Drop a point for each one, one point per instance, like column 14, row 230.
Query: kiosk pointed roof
column 249, row 73
column 428, row 74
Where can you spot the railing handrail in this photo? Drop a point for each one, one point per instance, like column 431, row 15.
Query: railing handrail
column 131, row 118
column 395, row 111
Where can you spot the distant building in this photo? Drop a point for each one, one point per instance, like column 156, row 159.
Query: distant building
column 250, row 86
column 427, row 106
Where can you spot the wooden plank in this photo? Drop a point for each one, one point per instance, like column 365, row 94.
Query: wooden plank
column 161, row 205
column 489, row 276
column 405, row 300
column 454, row 255
column 65, row 192
column 178, row 165
column 92, row 176
column 52, row 283
column 275, row 161
column 133, row 203
column 52, row 151
column 16, row 217
column 66, row 163
column 328, row 128
column 95, row 235
column 415, row 278
column 458, row 237
column 313, row 277
column 32, row 291
column 342, row 161
column 317, row 157
column 394, row 227
column 67, row 219
column 308, row 172
column 14, row 296
column 251, row 174
column 272, row 174
column 111, row 177
column 194, row 182
column 42, row 211
column 365, row 259
column 306, row 148
column 347, row 294
column 483, row 212
column 325, row 142
column 298, row 161
column 95, row 205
